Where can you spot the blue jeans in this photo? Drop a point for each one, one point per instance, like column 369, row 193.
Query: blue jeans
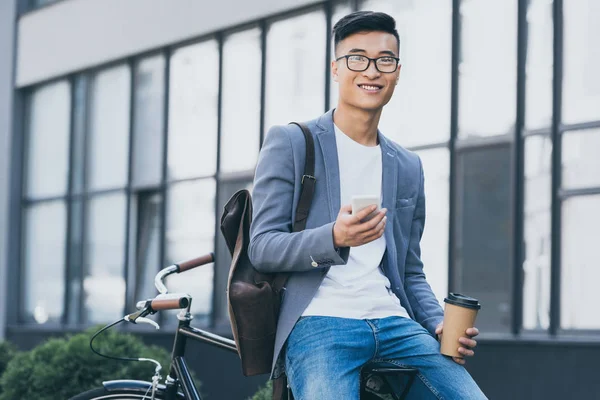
column 324, row 357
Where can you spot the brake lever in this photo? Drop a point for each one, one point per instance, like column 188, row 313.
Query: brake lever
column 148, row 321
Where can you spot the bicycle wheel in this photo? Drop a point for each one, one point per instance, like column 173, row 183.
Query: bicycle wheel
column 119, row 394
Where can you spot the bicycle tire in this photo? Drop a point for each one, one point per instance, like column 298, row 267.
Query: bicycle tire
column 102, row 393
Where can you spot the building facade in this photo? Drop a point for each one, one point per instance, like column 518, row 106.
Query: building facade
column 126, row 126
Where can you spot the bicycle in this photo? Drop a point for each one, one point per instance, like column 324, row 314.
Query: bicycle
column 179, row 385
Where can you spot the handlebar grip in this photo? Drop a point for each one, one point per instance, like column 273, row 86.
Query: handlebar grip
column 196, row 262
column 169, row 304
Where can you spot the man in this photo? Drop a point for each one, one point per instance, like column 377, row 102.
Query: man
column 357, row 292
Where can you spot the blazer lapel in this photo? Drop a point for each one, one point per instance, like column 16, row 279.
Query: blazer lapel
column 326, row 139
column 389, row 186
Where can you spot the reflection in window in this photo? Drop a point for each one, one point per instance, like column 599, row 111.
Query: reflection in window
column 295, row 63
column 580, row 160
column 193, row 95
column 240, row 130
column 148, row 121
column 80, row 102
column 488, row 67
column 146, row 228
column 579, row 263
column 44, row 266
column 48, row 141
column 484, row 233
column 108, row 142
column 434, row 244
column 339, row 10
column 104, row 282
column 581, row 81
column 537, row 232
column 419, row 111
column 538, row 107
column 191, row 233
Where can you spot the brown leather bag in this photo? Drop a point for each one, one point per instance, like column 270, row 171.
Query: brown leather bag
column 253, row 297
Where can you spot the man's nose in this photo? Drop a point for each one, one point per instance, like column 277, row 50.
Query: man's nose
column 371, row 72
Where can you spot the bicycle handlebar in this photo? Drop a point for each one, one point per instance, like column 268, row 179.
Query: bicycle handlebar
column 196, row 262
column 170, row 304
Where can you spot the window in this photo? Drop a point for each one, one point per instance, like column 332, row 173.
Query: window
column 44, row 271
column 537, row 232
column 240, row 114
column 580, row 160
column 434, row 243
column 580, row 254
column 48, row 141
column 538, row 108
column 581, row 82
column 193, row 95
column 419, row 111
column 104, row 281
column 148, row 125
column 339, row 10
column 295, row 65
column 190, row 233
column 483, row 234
column 108, row 142
column 488, row 67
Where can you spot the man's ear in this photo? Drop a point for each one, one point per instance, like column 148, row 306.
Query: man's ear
column 334, row 70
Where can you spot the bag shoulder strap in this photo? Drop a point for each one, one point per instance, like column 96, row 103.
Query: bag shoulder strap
column 308, row 180
column 307, row 191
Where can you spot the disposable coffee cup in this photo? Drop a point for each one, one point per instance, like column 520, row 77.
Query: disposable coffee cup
column 459, row 315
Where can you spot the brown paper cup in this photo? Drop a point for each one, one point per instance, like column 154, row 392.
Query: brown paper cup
column 459, row 315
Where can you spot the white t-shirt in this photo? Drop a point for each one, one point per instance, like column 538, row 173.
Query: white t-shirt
column 358, row 289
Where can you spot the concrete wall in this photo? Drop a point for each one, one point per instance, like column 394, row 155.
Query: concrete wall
column 75, row 34
column 7, row 30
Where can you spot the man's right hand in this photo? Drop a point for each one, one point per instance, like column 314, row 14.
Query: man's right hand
column 352, row 231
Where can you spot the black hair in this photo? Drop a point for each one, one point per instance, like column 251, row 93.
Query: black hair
column 364, row 21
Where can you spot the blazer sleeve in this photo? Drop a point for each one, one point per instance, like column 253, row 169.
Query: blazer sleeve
column 426, row 308
column 273, row 246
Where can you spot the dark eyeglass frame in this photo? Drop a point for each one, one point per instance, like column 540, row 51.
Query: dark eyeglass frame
column 347, row 56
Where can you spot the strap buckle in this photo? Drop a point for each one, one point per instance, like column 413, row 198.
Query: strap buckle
column 309, row 177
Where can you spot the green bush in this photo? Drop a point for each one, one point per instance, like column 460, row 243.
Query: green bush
column 265, row 392
column 7, row 352
column 61, row 368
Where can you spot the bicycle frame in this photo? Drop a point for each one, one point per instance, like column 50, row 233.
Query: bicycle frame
column 179, row 374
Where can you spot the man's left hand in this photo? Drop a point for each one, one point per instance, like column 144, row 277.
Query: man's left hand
column 467, row 342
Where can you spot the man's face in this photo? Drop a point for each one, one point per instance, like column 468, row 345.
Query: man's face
column 369, row 89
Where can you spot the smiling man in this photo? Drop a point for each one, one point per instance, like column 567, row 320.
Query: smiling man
column 357, row 292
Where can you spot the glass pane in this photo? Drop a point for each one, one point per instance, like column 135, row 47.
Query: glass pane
column 193, row 95
column 484, row 233
column 44, row 262
column 581, row 81
column 488, row 67
column 295, row 65
column 104, row 283
column 434, row 243
column 580, row 160
column 145, row 259
column 240, row 121
column 79, row 128
column 108, row 145
column 537, row 231
column 538, row 108
column 48, row 140
column 191, row 233
column 419, row 111
column 148, row 121
column 579, row 263
column 339, row 11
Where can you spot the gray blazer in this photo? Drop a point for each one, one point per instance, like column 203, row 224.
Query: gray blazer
column 275, row 248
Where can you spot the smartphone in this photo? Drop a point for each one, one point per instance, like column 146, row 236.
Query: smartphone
column 363, row 201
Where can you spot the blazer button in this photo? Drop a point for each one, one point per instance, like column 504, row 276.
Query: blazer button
column 314, row 264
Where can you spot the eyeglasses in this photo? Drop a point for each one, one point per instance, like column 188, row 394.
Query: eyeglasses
column 358, row 63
